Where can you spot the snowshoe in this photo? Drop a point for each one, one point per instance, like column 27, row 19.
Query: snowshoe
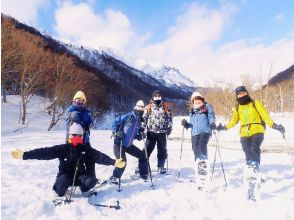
column 252, row 181
column 201, row 175
column 113, row 180
column 137, row 171
column 161, row 170
column 139, row 177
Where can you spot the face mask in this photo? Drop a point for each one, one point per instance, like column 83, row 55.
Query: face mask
column 78, row 103
column 76, row 140
column 244, row 100
column 157, row 102
column 139, row 113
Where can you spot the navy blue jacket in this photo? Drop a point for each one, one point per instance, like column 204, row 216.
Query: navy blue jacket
column 130, row 125
column 80, row 116
column 68, row 158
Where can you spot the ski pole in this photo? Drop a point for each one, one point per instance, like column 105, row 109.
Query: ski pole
column 287, row 149
column 166, row 156
column 214, row 160
column 179, row 171
column 73, row 187
column 148, row 163
column 119, row 179
column 217, row 145
column 117, row 206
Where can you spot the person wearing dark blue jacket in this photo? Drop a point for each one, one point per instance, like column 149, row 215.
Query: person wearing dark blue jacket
column 78, row 113
column 126, row 128
column 74, row 156
column 202, row 122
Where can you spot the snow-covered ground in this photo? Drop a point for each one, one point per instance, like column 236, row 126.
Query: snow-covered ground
column 27, row 185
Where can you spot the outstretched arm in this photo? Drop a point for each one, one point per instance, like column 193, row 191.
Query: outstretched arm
column 101, row 158
column 47, row 153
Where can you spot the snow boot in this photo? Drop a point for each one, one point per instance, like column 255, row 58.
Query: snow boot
column 113, row 180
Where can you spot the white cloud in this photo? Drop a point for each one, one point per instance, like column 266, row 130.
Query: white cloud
column 23, row 10
column 279, row 17
column 79, row 24
column 189, row 47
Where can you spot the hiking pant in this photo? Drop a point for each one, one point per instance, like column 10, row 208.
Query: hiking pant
column 251, row 147
column 134, row 151
column 63, row 181
column 160, row 139
column 199, row 145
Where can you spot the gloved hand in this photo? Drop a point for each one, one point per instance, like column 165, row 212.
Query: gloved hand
column 221, row 127
column 118, row 134
column 119, row 163
column 280, row 128
column 168, row 131
column 17, row 154
column 212, row 126
column 185, row 123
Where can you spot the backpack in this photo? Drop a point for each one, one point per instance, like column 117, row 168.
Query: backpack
column 165, row 106
column 253, row 104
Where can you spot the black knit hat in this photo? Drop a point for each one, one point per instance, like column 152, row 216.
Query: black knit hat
column 156, row 92
column 240, row 89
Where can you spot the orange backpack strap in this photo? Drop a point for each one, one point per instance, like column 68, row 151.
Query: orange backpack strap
column 166, row 106
column 148, row 108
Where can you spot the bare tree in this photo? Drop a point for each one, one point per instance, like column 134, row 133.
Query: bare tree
column 33, row 65
column 63, row 80
column 10, row 56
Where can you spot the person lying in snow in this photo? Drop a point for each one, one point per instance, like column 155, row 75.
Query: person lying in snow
column 74, row 154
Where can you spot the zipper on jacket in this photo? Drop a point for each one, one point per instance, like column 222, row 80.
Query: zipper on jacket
column 133, row 131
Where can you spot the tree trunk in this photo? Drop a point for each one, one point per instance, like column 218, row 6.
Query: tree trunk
column 24, row 110
column 4, row 100
column 53, row 122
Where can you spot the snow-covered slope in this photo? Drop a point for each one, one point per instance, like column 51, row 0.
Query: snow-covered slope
column 27, row 185
column 154, row 74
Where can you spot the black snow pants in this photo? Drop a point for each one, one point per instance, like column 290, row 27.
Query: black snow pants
column 134, row 151
column 63, row 181
column 160, row 139
column 251, row 147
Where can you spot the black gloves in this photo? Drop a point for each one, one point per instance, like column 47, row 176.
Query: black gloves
column 168, row 131
column 185, row 123
column 212, row 126
column 280, row 128
column 221, row 127
column 141, row 134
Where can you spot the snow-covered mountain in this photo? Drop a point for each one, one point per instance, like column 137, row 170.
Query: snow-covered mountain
column 154, row 74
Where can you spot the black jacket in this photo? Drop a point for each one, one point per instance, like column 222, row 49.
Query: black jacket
column 69, row 156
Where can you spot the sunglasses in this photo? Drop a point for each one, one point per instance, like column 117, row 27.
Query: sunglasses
column 77, row 135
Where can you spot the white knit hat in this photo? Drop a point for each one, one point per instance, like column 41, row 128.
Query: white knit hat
column 76, row 129
column 139, row 105
column 195, row 94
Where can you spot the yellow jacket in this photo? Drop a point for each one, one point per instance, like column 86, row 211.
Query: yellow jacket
column 250, row 122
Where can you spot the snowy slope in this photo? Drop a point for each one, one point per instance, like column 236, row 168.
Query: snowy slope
column 149, row 72
column 27, row 185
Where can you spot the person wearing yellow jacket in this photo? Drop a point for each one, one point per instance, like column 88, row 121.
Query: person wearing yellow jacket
column 251, row 114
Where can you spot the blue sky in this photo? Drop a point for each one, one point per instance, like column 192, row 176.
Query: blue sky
column 239, row 37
